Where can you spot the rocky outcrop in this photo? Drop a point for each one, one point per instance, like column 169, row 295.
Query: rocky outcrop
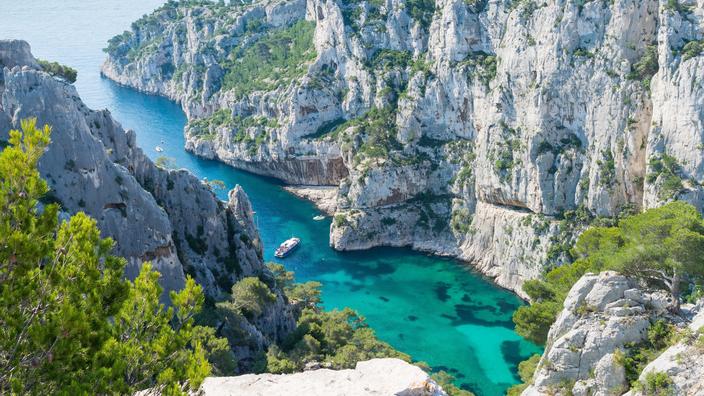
column 167, row 217
column 681, row 363
column 424, row 113
column 603, row 315
column 372, row 377
column 324, row 197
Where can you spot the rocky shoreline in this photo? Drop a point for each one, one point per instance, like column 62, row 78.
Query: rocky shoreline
column 324, row 197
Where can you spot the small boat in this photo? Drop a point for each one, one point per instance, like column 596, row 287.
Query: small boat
column 319, row 217
column 158, row 149
column 287, row 247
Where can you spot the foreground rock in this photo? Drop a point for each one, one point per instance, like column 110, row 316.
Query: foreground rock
column 682, row 363
column 167, row 217
column 372, row 377
column 454, row 107
column 602, row 316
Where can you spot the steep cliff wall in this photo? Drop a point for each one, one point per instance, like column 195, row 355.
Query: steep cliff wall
column 466, row 128
column 168, row 217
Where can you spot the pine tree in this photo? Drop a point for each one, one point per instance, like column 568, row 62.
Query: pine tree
column 69, row 323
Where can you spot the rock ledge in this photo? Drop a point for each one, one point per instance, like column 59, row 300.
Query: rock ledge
column 372, row 377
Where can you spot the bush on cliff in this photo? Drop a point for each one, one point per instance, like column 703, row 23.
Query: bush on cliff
column 274, row 60
column 58, row 70
column 69, row 323
column 663, row 246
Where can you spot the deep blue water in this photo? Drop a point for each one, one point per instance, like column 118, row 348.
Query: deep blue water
column 437, row 310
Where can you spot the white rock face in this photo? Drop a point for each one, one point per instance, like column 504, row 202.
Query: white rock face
column 372, row 377
column 602, row 314
column 515, row 107
column 167, row 217
column 324, row 197
column 682, row 363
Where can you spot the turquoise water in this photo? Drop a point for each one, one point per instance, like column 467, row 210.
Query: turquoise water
column 434, row 309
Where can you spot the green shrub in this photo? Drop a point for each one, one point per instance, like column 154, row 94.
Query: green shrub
column 71, row 324
column 58, row 70
column 637, row 355
column 276, row 59
column 250, row 297
column 378, row 127
column 461, row 220
column 446, row 381
column 526, row 369
column 484, row 66
column 421, row 10
column 340, row 338
column 665, row 241
column 607, row 169
column 692, row 49
column 677, row 6
column 506, row 152
column 387, row 59
column 533, row 321
column 340, row 220
column 667, row 169
column 581, row 52
column 197, row 243
column 330, row 129
column 656, row 384
column 646, row 67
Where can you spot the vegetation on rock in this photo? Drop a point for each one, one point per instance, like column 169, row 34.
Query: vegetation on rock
column 446, row 381
column 58, row 70
column 70, row 323
column 646, row 67
column 337, row 338
column 637, row 355
column 666, row 171
column 663, row 246
column 526, row 369
column 692, row 49
column 272, row 61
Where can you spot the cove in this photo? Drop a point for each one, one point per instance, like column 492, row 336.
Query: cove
column 437, row 310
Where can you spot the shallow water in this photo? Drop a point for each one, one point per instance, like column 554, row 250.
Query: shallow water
column 434, row 309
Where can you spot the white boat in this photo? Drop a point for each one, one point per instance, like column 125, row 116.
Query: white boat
column 158, row 149
column 287, row 247
column 319, row 217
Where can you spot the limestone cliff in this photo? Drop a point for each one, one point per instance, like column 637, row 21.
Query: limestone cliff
column 460, row 127
column 603, row 317
column 168, row 217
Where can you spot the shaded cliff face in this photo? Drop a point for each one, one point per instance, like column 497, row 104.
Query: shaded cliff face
column 458, row 127
column 168, row 217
